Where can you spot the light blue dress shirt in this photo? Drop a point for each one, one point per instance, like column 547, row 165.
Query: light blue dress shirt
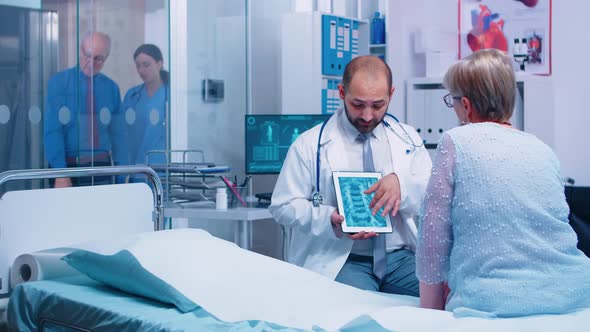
column 381, row 156
column 66, row 130
column 495, row 227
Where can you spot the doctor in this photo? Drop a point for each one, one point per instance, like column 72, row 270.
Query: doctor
column 145, row 107
column 383, row 263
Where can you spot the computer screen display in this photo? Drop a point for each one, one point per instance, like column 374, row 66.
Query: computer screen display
column 268, row 138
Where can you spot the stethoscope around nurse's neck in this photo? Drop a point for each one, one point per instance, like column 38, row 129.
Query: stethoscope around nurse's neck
column 317, row 198
column 136, row 94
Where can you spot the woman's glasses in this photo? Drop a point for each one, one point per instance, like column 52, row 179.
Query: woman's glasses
column 449, row 100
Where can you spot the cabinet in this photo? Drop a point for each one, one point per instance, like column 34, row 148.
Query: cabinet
column 366, row 10
column 315, row 48
column 379, row 50
column 533, row 111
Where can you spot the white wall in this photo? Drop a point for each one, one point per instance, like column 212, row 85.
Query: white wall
column 266, row 57
column 571, row 110
column 214, row 48
column 265, row 98
column 570, row 71
column 403, row 20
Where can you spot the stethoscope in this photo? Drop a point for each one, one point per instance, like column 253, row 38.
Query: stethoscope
column 136, row 95
column 316, row 197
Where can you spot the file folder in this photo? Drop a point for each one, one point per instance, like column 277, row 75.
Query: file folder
column 329, row 45
column 354, row 39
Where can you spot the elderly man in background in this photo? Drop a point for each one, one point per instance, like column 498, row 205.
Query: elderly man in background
column 83, row 124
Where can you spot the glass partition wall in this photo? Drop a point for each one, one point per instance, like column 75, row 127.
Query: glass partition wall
column 90, row 83
column 83, row 83
column 28, row 57
column 107, row 104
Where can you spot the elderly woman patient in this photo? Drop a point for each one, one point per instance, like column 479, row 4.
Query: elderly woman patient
column 494, row 238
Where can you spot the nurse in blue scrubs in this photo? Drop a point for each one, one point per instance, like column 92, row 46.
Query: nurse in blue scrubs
column 145, row 107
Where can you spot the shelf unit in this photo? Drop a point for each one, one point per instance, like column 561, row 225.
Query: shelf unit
column 533, row 111
column 307, row 89
column 366, row 10
column 379, row 50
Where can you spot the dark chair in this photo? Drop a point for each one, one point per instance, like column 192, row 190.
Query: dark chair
column 578, row 199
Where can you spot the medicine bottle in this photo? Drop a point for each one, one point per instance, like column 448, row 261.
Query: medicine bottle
column 516, row 49
column 221, row 199
column 378, row 29
column 524, row 48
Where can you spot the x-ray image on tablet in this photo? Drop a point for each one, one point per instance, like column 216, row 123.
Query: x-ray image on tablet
column 353, row 203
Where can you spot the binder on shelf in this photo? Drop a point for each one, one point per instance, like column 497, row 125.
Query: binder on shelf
column 332, row 101
column 347, row 43
column 329, row 45
column 354, row 38
column 331, row 96
column 342, row 55
column 325, row 93
column 336, row 101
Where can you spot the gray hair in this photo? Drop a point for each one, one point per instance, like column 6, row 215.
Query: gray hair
column 487, row 79
column 104, row 36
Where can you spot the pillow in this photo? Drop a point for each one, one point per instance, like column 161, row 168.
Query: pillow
column 138, row 264
column 124, row 272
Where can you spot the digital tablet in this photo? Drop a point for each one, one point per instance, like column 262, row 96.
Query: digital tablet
column 353, row 204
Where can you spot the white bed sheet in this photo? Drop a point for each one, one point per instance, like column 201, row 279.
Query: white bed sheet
column 410, row 319
column 236, row 285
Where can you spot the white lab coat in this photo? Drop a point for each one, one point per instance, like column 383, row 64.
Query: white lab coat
column 314, row 244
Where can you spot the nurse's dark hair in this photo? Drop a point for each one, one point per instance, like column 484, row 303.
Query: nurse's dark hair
column 154, row 52
column 367, row 63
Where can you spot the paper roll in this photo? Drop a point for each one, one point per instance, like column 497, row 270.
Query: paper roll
column 41, row 265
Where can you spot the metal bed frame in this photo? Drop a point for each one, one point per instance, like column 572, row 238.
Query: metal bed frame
column 53, row 173
column 34, row 174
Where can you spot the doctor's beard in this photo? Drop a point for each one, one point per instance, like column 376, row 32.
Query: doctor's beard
column 360, row 124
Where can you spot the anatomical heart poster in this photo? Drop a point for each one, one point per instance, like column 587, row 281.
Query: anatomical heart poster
column 520, row 27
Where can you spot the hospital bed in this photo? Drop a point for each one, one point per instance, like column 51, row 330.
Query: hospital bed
column 78, row 303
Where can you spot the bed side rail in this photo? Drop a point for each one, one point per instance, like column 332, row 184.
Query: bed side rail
column 53, row 173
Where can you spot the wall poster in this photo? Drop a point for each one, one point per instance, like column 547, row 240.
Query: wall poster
column 519, row 27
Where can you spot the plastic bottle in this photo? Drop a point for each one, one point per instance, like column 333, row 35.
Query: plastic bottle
column 221, row 199
column 524, row 48
column 378, row 29
column 516, row 48
column 517, row 55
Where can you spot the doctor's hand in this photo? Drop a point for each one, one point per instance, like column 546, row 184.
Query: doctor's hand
column 362, row 235
column 337, row 220
column 387, row 195
column 63, row 182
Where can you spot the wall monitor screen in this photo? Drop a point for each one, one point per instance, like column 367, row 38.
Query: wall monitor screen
column 268, row 138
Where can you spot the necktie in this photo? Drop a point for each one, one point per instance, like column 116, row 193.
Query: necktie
column 379, row 254
column 92, row 125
